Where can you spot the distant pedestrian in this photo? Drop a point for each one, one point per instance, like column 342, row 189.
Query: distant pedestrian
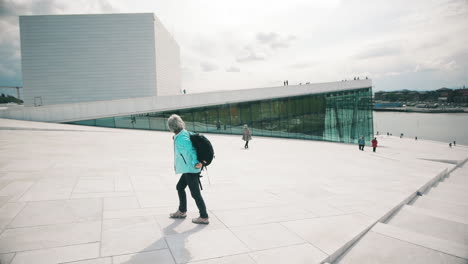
column 450, row 144
column 374, row 144
column 246, row 136
column 287, row 82
column 415, row 138
column 186, row 162
column 454, row 143
column 361, row 143
column 185, row 91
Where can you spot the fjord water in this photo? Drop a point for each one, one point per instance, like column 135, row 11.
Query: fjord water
column 439, row 127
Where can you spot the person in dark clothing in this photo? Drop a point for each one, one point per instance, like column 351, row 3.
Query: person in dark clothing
column 374, row 144
column 454, row 143
column 186, row 162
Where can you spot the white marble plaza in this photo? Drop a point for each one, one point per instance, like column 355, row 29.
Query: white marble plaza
column 88, row 195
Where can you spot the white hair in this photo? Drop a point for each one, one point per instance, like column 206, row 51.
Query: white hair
column 175, row 123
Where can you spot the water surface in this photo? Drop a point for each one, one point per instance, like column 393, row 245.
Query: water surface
column 439, row 127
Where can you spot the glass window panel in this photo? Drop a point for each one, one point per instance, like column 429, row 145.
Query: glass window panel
column 187, row 116
column 158, row 121
column 141, row 122
column 295, row 119
column 284, row 117
column 91, row 122
column 225, row 119
column 265, row 107
column 212, row 121
column 275, row 118
column 123, row 122
column 236, row 126
column 256, row 126
column 199, row 120
column 246, row 114
column 105, row 122
column 307, row 104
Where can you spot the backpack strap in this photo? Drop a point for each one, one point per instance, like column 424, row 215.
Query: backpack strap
column 199, row 182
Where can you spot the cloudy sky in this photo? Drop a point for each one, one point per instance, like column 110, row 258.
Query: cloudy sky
column 400, row 44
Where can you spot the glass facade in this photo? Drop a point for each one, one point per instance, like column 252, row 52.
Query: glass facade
column 336, row 116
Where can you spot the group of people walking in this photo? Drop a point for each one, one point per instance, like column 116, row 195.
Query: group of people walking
column 362, row 143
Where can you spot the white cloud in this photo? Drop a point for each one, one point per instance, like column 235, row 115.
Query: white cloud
column 251, row 56
column 394, row 42
column 233, row 69
column 436, row 66
column 208, row 67
column 6, row 71
column 274, row 40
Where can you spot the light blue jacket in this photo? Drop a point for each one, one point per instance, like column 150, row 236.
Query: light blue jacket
column 361, row 141
column 185, row 156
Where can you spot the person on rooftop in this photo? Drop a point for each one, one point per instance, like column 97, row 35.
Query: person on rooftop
column 186, row 162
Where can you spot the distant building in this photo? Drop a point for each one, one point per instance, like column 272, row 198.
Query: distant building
column 460, row 96
column 84, row 58
column 443, row 92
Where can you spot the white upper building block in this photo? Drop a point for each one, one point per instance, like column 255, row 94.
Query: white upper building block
column 84, row 58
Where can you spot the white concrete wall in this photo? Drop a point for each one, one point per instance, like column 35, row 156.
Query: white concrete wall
column 91, row 110
column 168, row 76
column 79, row 58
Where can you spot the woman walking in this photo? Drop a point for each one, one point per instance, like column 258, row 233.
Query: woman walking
column 246, row 136
column 186, row 162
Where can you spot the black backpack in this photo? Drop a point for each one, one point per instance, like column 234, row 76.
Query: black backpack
column 203, row 147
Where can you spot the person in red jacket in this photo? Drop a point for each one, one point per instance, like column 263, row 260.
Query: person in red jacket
column 374, row 143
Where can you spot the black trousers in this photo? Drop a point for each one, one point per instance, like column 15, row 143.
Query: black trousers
column 191, row 179
column 374, row 148
column 361, row 147
column 246, row 144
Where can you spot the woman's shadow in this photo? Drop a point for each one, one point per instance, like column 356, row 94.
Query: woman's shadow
column 177, row 249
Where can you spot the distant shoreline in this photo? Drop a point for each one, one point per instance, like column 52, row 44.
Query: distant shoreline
column 421, row 110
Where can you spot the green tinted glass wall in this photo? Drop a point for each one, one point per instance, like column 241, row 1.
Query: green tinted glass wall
column 337, row 116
